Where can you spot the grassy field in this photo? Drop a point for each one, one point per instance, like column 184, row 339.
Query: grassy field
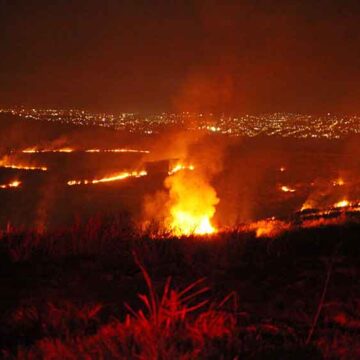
column 100, row 290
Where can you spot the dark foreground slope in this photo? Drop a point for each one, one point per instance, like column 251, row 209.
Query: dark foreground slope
column 64, row 295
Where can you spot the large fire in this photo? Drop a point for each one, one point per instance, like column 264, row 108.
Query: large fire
column 192, row 204
column 115, row 177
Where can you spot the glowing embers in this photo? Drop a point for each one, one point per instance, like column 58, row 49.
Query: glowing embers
column 337, row 212
column 342, row 204
column 213, row 128
column 308, row 206
column 339, row 182
column 24, row 167
column 35, row 150
column 117, row 151
column 287, row 189
column 269, row 227
column 192, row 202
column 13, row 184
column 115, row 177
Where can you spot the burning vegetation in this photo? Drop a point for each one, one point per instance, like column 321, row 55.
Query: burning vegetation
column 192, row 204
column 8, row 163
column 13, row 184
column 268, row 228
column 342, row 204
column 189, row 187
column 179, row 167
column 25, row 167
column 285, row 188
column 36, row 150
column 115, row 177
column 188, row 205
column 118, row 151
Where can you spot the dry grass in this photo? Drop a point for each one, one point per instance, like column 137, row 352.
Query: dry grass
column 175, row 325
column 65, row 293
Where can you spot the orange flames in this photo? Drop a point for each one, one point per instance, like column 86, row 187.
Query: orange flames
column 35, row 150
column 269, row 227
column 5, row 162
column 25, row 167
column 192, row 203
column 180, row 167
column 114, row 177
column 336, row 206
column 342, row 203
column 339, row 182
column 117, row 151
column 308, row 205
column 13, row 184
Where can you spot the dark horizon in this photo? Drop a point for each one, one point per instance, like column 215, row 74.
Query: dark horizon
column 122, row 56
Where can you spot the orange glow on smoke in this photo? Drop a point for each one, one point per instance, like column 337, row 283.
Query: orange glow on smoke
column 114, row 177
column 192, row 204
column 13, row 184
column 339, row 182
column 308, row 205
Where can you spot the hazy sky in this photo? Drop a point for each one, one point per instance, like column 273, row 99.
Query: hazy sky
column 232, row 56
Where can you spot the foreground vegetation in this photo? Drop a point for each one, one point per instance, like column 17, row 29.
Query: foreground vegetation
column 100, row 290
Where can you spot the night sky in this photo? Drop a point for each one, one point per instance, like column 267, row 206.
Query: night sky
column 223, row 56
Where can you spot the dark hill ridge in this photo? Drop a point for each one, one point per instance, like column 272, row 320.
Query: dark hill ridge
column 17, row 133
